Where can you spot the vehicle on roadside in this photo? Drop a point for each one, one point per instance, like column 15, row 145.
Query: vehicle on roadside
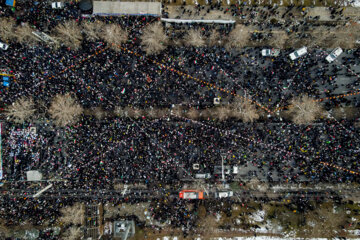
column 203, row 175
column 218, row 170
column 57, row 5
column 224, row 194
column 191, row 194
column 334, row 54
column 4, row 46
column 270, row 52
column 298, row 53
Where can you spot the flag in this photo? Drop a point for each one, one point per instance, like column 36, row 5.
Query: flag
column 123, row 91
column 148, row 79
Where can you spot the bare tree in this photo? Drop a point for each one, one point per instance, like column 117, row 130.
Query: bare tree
column 344, row 36
column 73, row 233
column 214, row 38
column 322, row 35
column 177, row 111
column 194, row 38
column 153, row 39
column 156, row 112
column 93, row 30
column 133, row 112
column 325, row 221
column 245, row 110
column 99, row 113
column 152, row 113
column 69, row 34
column 208, row 225
column 193, row 113
column 205, row 114
column 20, row 110
column 24, row 35
column 304, row 110
column 65, row 110
column 223, row 113
column 278, row 39
column 120, row 112
column 238, row 37
column 73, row 214
column 114, row 36
column 7, row 30
column 163, row 112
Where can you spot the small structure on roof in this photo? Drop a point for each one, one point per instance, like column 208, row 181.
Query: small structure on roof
column 10, row 3
column 6, row 81
column 33, row 176
column 85, row 5
column 107, row 8
column 124, row 229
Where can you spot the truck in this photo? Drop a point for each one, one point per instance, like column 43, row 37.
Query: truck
column 270, row 52
column 191, row 194
column 224, row 194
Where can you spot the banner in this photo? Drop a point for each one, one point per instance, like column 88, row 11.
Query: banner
column 1, row 168
column 196, row 21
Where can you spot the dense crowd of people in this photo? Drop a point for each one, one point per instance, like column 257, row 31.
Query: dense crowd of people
column 94, row 153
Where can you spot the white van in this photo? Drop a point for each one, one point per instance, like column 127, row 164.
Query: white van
column 57, row 5
column 224, row 194
column 4, row 46
column 298, row 53
column 203, row 175
column 270, row 52
column 334, row 54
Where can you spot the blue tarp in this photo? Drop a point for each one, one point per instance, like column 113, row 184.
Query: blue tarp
column 6, row 81
column 10, row 3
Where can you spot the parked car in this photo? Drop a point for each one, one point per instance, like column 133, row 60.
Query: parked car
column 270, row 52
column 334, row 54
column 218, row 169
column 235, row 169
column 203, row 175
column 224, row 194
column 191, row 194
column 298, row 53
column 57, row 5
column 4, row 46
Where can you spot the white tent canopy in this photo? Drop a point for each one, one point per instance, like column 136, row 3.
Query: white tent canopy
column 105, row 8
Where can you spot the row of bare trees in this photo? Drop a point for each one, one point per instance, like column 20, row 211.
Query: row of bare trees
column 71, row 219
column 64, row 110
column 69, row 34
column 155, row 40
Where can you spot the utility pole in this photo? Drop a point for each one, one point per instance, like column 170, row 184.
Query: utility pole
column 223, row 156
column 43, row 190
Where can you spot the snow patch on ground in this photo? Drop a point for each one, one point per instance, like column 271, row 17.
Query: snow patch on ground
column 258, row 216
column 356, row 3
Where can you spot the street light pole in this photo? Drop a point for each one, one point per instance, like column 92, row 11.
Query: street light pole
column 223, row 156
column 222, row 168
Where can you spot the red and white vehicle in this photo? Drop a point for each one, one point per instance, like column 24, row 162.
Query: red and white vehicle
column 191, row 194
